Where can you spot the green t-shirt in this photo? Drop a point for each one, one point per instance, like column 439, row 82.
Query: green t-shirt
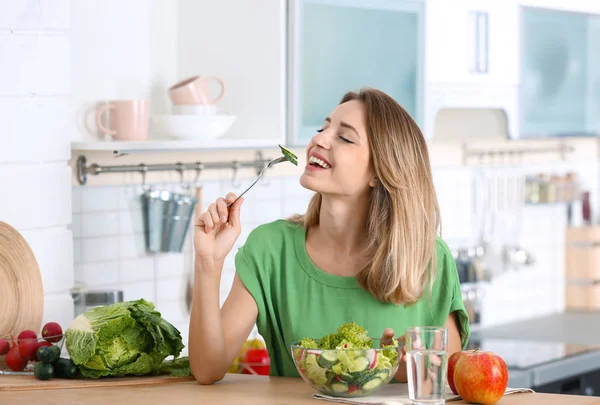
column 296, row 299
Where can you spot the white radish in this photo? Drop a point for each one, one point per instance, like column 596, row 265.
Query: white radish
column 371, row 355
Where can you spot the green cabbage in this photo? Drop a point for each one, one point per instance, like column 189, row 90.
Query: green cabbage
column 125, row 338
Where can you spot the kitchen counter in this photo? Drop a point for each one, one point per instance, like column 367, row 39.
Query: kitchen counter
column 567, row 327
column 545, row 350
column 234, row 389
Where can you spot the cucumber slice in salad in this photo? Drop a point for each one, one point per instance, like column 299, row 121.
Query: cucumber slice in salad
column 327, row 359
column 383, row 375
column 337, row 386
column 372, row 384
column 359, row 364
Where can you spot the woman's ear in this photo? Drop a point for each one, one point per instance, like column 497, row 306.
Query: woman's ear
column 373, row 182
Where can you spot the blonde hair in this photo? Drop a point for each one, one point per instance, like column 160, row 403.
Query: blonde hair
column 404, row 215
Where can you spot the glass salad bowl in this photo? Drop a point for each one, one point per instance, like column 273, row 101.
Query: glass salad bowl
column 347, row 372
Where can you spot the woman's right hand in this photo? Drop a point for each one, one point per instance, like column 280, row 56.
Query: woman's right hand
column 217, row 229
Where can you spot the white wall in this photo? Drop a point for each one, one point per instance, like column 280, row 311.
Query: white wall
column 35, row 84
column 120, row 50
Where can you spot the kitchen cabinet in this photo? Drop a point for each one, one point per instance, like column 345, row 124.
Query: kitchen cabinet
column 580, row 6
column 472, row 42
column 560, row 73
column 472, row 59
column 583, row 384
column 243, row 43
column 336, row 46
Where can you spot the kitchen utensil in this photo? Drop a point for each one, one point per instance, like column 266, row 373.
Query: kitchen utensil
column 30, row 383
column 167, row 216
column 514, row 256
column 268, row 165
column 189, row 292
column 481, row 256
column 84, row 299
column 21, row 288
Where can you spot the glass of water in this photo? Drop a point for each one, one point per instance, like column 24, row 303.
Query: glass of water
column 427, row 364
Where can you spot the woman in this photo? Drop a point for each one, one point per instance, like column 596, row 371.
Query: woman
column 365, row 251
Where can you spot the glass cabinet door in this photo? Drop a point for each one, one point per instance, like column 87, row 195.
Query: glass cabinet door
column 343, row 45
column 560, row 68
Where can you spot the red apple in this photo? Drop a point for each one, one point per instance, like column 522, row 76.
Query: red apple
column 452, row 364
column 481, row 377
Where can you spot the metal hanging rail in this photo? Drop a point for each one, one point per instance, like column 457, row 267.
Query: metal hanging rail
column 562, row 150
column 83, row 169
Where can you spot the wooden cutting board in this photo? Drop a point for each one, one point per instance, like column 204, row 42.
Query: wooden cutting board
column 21, row 288
column 29, row 382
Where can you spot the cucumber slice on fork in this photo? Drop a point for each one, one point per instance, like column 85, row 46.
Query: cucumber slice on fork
column 289, row 155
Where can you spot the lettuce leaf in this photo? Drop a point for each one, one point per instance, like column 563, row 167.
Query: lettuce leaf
column 126, row 338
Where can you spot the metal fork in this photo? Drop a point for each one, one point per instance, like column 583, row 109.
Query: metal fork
column 268, row 165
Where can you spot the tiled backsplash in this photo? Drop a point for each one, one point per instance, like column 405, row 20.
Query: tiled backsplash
column 109, row 248
column 109, row 245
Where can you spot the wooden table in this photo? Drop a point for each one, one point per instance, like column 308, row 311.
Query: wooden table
column 234, row 389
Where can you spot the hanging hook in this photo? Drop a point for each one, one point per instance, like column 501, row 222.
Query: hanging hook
column 143, row 171
column 199, row 168
column 185, row 188
column 234, row 182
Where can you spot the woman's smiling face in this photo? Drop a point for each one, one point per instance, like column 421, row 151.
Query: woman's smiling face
column 338, row 156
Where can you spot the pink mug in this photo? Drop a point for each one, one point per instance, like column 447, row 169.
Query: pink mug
column 194, row 90
column 127, row 119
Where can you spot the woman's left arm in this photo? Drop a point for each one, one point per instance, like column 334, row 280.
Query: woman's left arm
column 454, row 339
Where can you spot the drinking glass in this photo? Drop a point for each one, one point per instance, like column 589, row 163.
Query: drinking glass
column 427, row 364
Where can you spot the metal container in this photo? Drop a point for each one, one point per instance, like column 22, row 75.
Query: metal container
column 84, row 300
column 167, row 218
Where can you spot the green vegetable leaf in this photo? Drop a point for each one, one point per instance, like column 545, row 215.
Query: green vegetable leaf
column 128, row 338
column 289, row 155
column 167, row 338
column 179, row 367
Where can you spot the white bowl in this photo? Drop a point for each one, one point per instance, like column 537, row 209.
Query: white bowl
column 197, row 109
column 192, row 126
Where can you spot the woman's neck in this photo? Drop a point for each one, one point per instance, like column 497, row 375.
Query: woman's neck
column 342, row 225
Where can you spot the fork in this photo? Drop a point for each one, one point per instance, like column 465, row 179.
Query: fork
column 268, row 165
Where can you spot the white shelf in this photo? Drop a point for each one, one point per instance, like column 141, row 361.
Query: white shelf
column 174, row 145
